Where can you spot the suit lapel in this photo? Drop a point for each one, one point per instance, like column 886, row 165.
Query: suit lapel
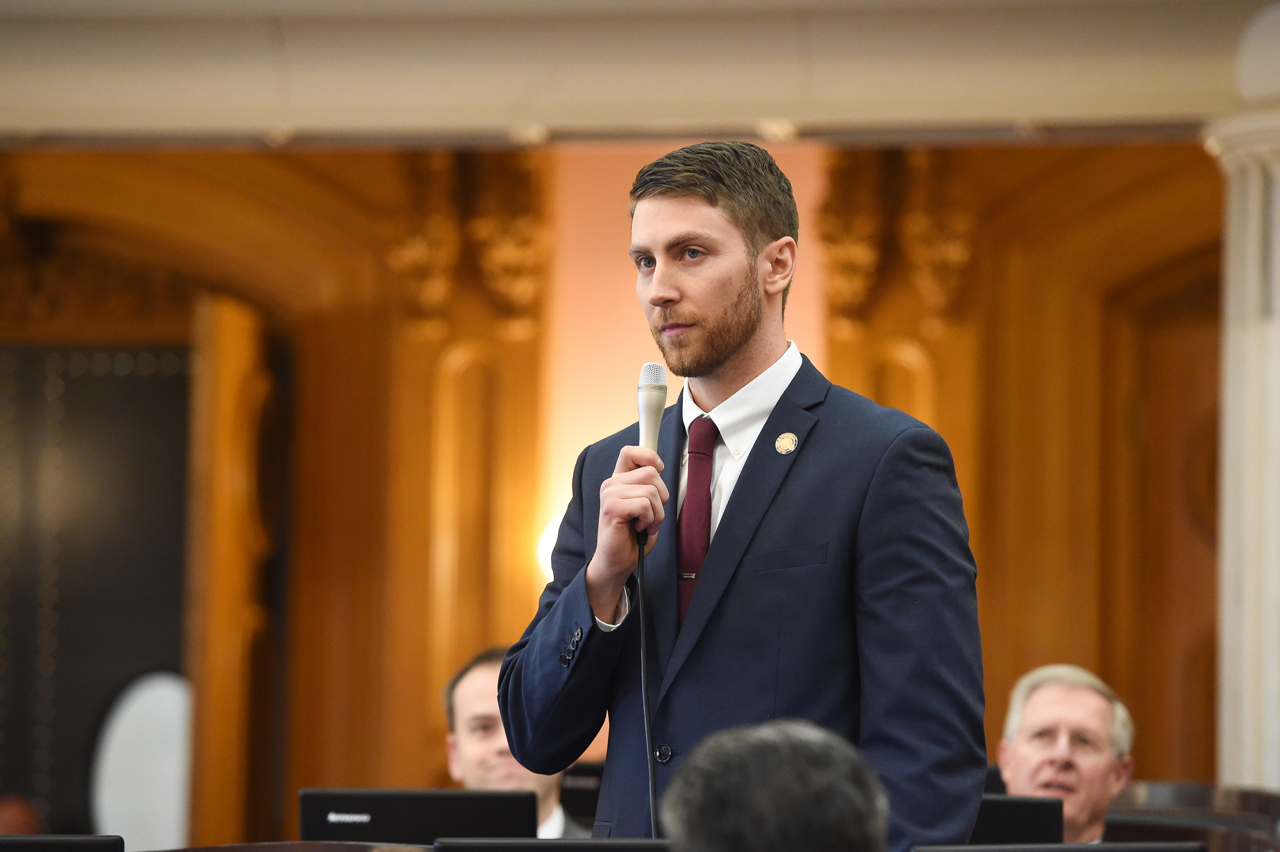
column 761, row 477
column 660, row 564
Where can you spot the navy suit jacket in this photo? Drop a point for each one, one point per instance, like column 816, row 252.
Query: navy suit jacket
column 839, row 587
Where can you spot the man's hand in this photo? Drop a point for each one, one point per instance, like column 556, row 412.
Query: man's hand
column 635, row 493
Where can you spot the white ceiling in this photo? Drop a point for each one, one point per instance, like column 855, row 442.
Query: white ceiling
column 418, row 71
column 595, row 8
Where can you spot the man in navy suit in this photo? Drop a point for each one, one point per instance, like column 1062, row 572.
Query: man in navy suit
column 838, row 585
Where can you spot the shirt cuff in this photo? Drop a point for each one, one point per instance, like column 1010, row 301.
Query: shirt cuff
column 624, row 607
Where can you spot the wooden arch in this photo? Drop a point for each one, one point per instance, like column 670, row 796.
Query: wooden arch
column 377, row 268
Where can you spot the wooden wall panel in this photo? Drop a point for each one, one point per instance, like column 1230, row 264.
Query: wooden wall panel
column 1108, row 218
column 1160, row 509
column 1031, row 246
column 337, row 580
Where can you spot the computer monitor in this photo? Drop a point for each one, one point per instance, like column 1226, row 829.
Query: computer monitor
column 1143, row 846
column 490, row 844
column 1017, row 819
column 415, row 817
column 61, row 843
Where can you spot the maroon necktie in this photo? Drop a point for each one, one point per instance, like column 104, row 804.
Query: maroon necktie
column 695, row 512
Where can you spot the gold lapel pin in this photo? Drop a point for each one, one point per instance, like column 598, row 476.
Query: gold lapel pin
column 786, row 443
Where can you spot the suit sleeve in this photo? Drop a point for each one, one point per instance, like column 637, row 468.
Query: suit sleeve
column 919, row 649
column 555, row 684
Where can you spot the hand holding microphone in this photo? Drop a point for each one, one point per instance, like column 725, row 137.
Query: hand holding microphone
column 632, row 501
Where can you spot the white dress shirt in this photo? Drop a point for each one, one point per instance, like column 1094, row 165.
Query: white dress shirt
column 739, row 419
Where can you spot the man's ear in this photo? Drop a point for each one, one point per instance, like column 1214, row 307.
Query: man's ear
column 1002, row 758
column 451, row 756
column 1120, row 776
column 778, row 263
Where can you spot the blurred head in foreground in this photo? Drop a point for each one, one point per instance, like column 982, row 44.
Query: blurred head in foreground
column 784, row 786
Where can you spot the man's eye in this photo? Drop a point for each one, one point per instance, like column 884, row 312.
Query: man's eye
column 693, row 253
column 644, row 262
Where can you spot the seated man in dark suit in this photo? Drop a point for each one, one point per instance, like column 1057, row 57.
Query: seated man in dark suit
column 479, row 758
column 1068, row 736
column 785, row 786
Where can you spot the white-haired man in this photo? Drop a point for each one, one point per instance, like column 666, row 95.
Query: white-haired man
column 1067, row 736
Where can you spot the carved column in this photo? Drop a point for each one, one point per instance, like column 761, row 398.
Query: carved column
column 898, row 234
column 1248, row 151
column 462, row 535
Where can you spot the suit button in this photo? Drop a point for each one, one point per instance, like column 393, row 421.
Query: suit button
column 564, row 660
column 573, row 643
column 577, row 634
column 663, row 753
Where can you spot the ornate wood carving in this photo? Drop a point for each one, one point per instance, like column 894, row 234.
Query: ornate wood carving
column 935, row 230
column 47, row 281
column 425, row 262
column 852, row 227
column 71, row 285
column 509, row 230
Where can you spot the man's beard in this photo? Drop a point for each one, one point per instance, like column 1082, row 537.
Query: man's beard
column 721, row 336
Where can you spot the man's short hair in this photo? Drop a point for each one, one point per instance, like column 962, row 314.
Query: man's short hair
column 738, row 178
column 486, row 657
column 779, row 785
column 1069, row 675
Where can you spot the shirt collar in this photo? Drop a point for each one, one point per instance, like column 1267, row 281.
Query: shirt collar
column 741, row 417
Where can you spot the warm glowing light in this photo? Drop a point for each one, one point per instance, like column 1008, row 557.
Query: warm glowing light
column 547, row 543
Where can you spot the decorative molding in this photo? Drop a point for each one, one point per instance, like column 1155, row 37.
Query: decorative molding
column 425, row 262
column 935, row 230
column 851, row 225
column 1245, row 138
column 45, row 282
column 486, row 208
column 509, row 229
column 74, row 285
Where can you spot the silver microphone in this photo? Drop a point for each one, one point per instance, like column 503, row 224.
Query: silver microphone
column 651, row 398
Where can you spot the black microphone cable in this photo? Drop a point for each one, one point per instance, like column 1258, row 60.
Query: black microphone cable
column 651, row 396
column 642, row 539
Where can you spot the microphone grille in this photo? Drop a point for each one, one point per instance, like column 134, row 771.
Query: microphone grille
column 653, row 374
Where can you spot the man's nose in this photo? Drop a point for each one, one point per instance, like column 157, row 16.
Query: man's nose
column 663, row 286
column 1061, row 749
